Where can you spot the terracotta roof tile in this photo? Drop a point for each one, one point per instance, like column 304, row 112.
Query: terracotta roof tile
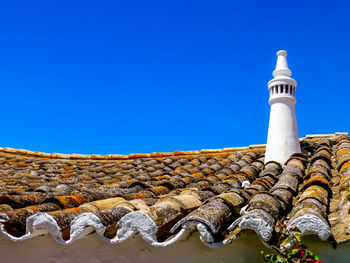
column 219, row 192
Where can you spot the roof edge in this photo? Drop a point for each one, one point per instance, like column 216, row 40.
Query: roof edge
column 147, row 155
column 75, row 156
column 312, row 136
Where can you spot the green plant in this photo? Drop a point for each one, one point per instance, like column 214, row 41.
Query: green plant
column 293, row 251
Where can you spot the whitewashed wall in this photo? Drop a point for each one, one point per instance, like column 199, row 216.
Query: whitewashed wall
column 92, row 249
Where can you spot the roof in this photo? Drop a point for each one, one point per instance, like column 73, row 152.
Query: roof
column 164, row 195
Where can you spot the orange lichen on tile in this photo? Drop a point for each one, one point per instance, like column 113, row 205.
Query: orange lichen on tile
column 139, row 155
column 318, row 180
column 161, row 154
column 71, row 200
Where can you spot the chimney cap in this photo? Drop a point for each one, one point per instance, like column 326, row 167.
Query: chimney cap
column 282, row 53
column 282, row 65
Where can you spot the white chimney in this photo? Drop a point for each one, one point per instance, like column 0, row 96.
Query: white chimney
column 282, row 138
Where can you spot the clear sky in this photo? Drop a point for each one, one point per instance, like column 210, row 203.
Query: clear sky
column 155, row 76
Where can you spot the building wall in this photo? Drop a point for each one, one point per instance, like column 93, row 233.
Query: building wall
column 93, row 249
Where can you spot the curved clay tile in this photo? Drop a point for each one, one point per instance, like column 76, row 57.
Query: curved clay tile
column 164, row 195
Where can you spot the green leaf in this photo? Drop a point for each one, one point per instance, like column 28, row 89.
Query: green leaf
column 273, row 258
column 313, row 255
column 293, row 253
column 297, row 237
column 280, row 259
column 269, row 256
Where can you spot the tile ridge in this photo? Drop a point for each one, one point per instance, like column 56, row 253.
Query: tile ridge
column 122, row 156
column 76, row 156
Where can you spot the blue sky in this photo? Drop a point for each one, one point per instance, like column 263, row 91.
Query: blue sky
column 149, row 76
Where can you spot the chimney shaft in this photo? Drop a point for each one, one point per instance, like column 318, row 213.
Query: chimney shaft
column 283, row 138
